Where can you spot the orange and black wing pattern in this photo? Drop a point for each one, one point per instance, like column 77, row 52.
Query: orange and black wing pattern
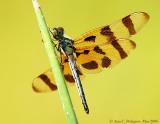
column 46, row 82
column 97, row 50
column 123, row 28
column 106, row 46
column 100, row 57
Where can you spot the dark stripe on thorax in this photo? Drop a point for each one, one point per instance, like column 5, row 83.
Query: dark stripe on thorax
column 129, row 24
column 47, row 82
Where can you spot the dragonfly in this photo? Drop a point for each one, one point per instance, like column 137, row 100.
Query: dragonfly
column 92, row 52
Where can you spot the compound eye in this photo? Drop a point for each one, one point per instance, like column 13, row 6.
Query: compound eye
column 60, row 30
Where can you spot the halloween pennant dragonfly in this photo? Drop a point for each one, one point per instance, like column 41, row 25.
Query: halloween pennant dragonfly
column 92, row 52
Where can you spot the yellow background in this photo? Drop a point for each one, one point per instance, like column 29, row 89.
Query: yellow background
column 131, row 90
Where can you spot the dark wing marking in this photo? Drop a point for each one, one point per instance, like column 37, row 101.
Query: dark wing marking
column 46, row 82
column 123, row 28
column 117, row 46
column 127, row 21
column 90, row 38
column 98, row 49
column 90, row 65
column 106, row 56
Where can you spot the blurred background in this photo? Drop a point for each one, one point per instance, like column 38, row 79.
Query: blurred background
column 129, row 91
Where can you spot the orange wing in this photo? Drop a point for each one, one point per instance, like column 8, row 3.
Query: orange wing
column 46, row 82
column 97, row 49
column 123, row 28
column 106, row 46
column 100, row 57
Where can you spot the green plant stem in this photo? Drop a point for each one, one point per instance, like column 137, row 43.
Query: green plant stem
column 56, row 69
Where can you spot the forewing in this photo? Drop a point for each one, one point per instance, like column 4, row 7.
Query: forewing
column 123, row 28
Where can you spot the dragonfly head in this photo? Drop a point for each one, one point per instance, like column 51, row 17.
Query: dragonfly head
column 57, row 33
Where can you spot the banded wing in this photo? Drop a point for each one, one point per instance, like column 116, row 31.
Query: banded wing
column 95, row 59
column 46, row 82
column 106, row 46
column 123, row 28
column 97, row 50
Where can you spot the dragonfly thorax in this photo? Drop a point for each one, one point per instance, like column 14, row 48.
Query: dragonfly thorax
column 65, row 43
column 67, row 46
